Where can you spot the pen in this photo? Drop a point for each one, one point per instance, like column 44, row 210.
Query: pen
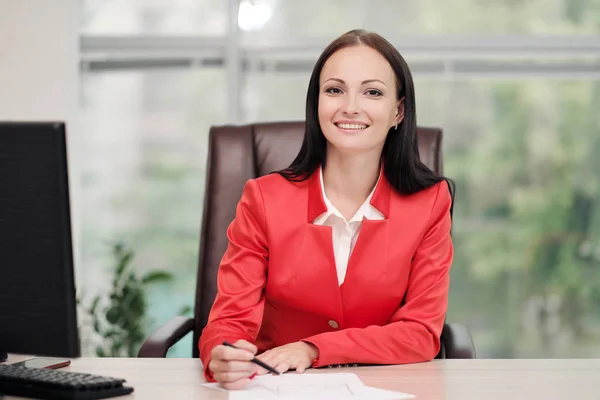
column 256, row 361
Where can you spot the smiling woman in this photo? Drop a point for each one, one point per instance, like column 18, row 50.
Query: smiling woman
column 515, row 89
column 355, row 186
column 361, row 100
column 377, row 84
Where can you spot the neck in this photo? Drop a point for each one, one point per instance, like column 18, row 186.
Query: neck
column 351, row 176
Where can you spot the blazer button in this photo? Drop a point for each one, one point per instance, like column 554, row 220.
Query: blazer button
column 333, row 324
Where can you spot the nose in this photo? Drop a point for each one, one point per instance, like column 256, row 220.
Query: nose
column 351, row 105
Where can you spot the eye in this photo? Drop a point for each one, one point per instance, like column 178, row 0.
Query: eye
column 333, row 90
column 374, row 92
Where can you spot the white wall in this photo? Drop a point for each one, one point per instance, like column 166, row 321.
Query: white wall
column 39, row 73
column 38, row 59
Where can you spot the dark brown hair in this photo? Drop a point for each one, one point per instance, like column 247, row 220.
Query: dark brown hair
column 402, row 166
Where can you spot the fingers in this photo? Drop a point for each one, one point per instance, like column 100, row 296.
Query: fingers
column 227, row 353
column 237, row 385
column 283, row 366
column 281, row 361
column 230, row 377
column 242, row 344
column 267, row 358
column 262, row 371
column 285, row 362
column 231, row 367
column 232, row 374
column 299, row 365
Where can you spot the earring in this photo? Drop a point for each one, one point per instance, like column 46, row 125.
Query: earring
column 396, row 128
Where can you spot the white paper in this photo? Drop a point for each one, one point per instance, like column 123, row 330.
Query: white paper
column 294, row 386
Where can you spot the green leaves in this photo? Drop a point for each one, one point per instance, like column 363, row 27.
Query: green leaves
column 112, row 316
column 119, row 317
column 156, row 277
column 527, row 235
column 185, row 310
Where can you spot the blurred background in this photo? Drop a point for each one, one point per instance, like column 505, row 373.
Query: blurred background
column 514, row 84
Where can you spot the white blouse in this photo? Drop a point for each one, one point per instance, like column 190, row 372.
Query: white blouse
column 345, row 232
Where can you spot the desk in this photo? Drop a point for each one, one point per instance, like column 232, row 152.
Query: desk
column 179, row 378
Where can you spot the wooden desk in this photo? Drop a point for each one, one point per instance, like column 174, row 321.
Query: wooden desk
column 173, row 378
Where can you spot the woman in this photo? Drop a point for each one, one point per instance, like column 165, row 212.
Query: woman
column 343, row 257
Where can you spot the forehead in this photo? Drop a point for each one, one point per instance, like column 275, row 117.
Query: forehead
column 357, row 63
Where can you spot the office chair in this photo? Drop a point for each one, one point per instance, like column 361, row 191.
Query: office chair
column 239, row 153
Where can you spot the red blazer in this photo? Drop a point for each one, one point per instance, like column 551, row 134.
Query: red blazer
column 277, row 282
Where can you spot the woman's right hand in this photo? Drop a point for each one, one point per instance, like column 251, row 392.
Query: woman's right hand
column 232, row 367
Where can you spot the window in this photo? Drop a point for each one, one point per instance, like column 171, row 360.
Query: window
column 515, row 85
column 153, row 17
column 145, row 147
column 526, row 276
column 394, row 19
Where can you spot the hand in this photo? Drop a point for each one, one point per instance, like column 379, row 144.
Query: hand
column 297, row 355
column 232, row 367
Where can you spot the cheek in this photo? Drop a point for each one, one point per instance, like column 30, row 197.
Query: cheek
column 327, row 112
column 327, row 108
column 379, row 113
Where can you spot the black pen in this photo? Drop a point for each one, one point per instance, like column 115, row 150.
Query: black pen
column 256, row 360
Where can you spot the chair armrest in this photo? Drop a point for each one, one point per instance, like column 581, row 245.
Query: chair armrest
column 159, row 342
column 457, row 341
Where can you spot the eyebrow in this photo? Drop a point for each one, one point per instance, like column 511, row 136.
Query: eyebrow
column 362, row 83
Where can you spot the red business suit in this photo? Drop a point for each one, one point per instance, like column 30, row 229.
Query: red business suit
column 277, row 282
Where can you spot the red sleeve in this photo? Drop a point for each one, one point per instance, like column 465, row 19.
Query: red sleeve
column 413, row 334
column 238, row 308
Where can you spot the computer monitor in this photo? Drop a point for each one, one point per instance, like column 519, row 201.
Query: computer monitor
column 37, row 289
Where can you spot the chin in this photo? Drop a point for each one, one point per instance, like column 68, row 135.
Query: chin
column 345, row 146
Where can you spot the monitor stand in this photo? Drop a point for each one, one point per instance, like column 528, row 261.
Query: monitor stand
column 3, row 356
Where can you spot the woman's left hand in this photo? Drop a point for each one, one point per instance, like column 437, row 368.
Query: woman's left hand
column 297, row 355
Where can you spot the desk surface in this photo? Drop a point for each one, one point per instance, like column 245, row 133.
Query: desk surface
column 179, row 378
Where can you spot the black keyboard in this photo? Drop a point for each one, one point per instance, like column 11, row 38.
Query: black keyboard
column 42, row 383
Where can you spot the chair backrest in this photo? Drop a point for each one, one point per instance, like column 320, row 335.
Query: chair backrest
column 239, row 153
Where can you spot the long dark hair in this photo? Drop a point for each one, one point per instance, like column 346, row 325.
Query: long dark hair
column 401, row 163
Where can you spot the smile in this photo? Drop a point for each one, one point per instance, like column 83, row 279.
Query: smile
column 351, row 126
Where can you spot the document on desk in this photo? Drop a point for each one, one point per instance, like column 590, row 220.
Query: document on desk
column 292, row 386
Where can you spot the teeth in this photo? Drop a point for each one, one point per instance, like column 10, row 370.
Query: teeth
column 352, row 126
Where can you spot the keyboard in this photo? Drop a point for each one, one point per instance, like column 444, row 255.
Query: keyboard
column 51, row 384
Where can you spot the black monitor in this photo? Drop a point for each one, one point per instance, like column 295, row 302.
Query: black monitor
column 37, row 288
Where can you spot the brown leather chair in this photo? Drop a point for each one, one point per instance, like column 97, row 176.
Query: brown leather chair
column 239, row 153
